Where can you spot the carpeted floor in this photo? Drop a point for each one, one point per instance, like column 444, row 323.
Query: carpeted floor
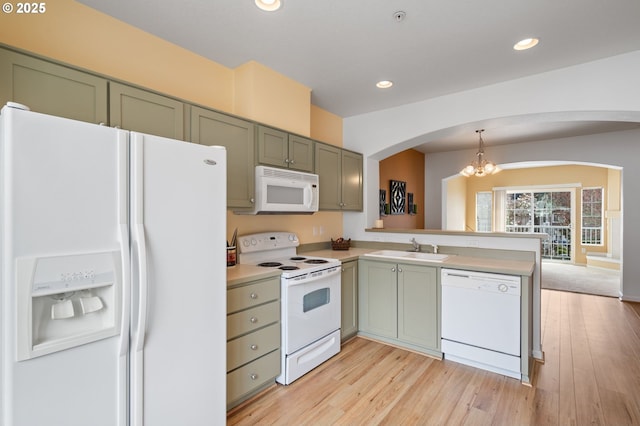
column 580, row 279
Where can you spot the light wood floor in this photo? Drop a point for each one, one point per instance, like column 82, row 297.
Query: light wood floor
column 591, row 375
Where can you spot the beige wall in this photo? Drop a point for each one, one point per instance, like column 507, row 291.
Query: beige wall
column 456, row 194
column 326, row 126
column 83, row 37
column 266, row 96
column 585, row 176
column 406, row 166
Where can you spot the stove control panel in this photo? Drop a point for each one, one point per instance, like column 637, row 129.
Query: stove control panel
column 267, row 241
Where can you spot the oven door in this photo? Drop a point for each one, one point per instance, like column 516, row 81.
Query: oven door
column 311, row 309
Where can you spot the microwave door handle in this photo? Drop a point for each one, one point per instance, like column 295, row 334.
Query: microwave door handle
column 308, row 195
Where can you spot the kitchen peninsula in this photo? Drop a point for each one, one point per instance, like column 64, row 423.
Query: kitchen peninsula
column 505, row 253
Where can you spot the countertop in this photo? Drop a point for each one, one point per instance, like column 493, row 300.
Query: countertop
column 538, row 235
column 482, row 264
column 240, row 274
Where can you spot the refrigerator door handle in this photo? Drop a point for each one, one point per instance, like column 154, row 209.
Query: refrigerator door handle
column 137, row 353
column 141, row 323
column 126, row 289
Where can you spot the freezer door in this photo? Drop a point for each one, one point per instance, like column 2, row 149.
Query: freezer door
column 64, row 271
column 178, row 202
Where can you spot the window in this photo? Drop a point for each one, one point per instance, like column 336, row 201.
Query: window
column 483, row 211
column 547, row 212
column 592, row 216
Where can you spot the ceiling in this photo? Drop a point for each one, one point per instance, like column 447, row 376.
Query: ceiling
column 341, row 48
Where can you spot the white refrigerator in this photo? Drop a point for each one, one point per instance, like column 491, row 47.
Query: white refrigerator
column 113, row 297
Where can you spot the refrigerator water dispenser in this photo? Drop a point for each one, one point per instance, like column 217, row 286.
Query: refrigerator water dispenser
column 67, row 301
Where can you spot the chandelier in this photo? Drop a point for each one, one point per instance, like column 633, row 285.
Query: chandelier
column 480, row 167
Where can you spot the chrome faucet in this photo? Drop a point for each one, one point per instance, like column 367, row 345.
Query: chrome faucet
column 416, row 246
column 435, row 248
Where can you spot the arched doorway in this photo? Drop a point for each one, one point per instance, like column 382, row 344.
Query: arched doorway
column 578, row 205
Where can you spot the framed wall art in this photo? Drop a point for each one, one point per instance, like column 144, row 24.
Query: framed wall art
column 398, row 196
column 410, row 202
column 382, row 202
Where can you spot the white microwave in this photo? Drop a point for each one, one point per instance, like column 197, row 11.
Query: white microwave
column 281, row 191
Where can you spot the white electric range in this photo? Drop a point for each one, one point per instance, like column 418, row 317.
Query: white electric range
column 310, row 300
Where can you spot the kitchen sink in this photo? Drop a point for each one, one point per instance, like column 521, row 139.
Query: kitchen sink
column 409, row 255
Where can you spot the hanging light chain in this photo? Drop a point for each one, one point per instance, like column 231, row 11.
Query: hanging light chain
column 479, row 167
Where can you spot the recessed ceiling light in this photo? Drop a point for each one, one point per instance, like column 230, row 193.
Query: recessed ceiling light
column 269, row 5
column 384, row 84
column 525, row 44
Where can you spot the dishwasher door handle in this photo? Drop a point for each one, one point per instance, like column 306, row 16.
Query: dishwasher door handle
column 457, row 275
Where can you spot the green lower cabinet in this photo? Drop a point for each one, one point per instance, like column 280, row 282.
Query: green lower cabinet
column 378, row 298
column 398, row 303
column 253, row 338
column 349, row 300
column 418, row 305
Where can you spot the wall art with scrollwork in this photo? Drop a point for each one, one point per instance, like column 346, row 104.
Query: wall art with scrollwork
column 397, row 196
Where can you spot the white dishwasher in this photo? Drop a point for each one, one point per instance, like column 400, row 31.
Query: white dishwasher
column 481, row 320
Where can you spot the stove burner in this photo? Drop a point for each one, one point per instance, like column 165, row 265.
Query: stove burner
column 270, row 264
column 316, row 261
column 294, row 258
column 288, row 268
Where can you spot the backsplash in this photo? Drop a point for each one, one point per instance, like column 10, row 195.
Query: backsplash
column 317, row 227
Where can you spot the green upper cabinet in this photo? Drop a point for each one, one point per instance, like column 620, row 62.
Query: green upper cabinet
column 301, row 153
column 328, row 170
column 52, row 89
column 280, row 149
column 341, row 178
column 273, row 147
column 145, row 112
column 352, row 176
column 238, row 137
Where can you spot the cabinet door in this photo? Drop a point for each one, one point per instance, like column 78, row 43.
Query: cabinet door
column 418, row 305
column 349, row 300
column 212, row 128
column 351, row 168
column 328, row 169
column 301, row 153
column 273, row 147
column 378, row 298
column 145, row 112
column 52, row 89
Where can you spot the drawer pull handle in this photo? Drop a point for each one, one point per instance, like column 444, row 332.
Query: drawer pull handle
column 253, row 320
column 253, row 296
column 254, row 347
column 253, row 376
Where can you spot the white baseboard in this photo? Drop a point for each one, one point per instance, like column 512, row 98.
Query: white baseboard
column 629, row 298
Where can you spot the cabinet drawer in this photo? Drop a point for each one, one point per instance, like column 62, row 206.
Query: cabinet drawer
column 251, row 346
column 252, row 376
column 252, row 319
column 251, row 295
